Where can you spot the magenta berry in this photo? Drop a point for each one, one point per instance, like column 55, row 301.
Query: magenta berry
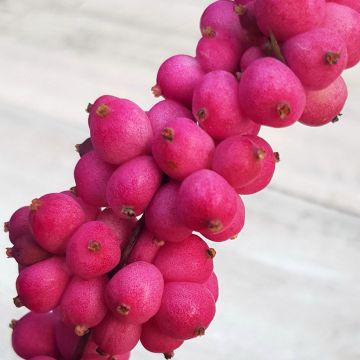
column 186, row 310
column 271, row 94
column 93, row 250
column 182, row 148
column 213, row 286
column 91, row 177
column 41, row 285
column 238, row 160
column 190, row 260
column 134, row 293
column 93, row 352
column 120, row 130
column 132, row 186
column 354, row 4
column 34, row 335
column 106, row 335
column 233, row 229
column 324, row 105
column 250, row 55
column 53, row 218
column 216, row 105
column 153, row 340
column 206, row 201
column 317, row 57
column 83, row 303
column 18, row 224
column 346, row 22
column 288, row 18
column 177, row 78
column 161, row 216
column 267, row 169
column 66, row 340
column 146, row 248
column 122, row 227
column 164, row 111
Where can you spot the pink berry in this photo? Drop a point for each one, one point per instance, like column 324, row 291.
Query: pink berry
column 91, row 353
column 177, row 78
column 190, row 260
column 18, row 224
column 164, row 111
column 182, row 148
column 134, row 293
column 106, row 335
column 206, row 201
column 146, row 248
column 288, row 18
column 354, row 4
column 153, row 340
column 26, row 251
column 66, row 340
column 91, row 177
column 34, row 335
column 246, row 11
column 161, row 215
column 323, row 106
column 346, row 22
column 238, row 160
column 233, row 229
column 41, row 285
column 132, row 186
column 317, row 57
column 83, row 303
column 53, row 219
column 215, row 53
column 267, row 169
column 216, row 105
column 119, row 129
column 212, row 285
column 186, row 310
column 122, row 227
column 249, row 56
column 271, row 94
column 93, row 250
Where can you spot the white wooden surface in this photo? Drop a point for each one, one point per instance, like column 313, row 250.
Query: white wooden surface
column 290, row 285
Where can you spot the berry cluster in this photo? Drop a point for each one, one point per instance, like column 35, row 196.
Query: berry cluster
column 116, row 260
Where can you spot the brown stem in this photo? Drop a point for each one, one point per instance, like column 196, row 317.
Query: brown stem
column 276, row 48
column 79, row 351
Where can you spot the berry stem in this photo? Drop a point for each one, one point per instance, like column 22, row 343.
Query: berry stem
column 79, row 351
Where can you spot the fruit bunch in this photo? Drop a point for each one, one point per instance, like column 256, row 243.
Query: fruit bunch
column 121, row 257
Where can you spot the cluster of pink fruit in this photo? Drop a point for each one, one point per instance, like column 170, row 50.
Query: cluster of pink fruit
column 96, row 275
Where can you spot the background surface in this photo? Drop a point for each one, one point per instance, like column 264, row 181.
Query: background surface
column 290, row 284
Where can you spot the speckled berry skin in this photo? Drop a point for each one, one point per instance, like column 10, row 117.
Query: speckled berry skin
column 120, row 130
column 122, row 227
column 177, row 78
column 216, row 105
column 153, row 340
column 106, row 335
column 190, row 260
column 93, row 250
column 134, row 293
column 346, row 22
column 354, row 4
column 66, row 340
column 271, row 94
column 288, row 18
column 181, row 148
column 161, row 216
column 41, row 285
column 206, row 201
column 233, row 229
column 267, row 169
column 212, row 285
column 91, row 176
column 324, row 105
column 250, row 55
column 34, row 335
column 83, row 303
column 186, row 310
column 132, row 186
column 18, row 224
column 164, row 111
column 53, row 219
column 146, row 247
column 309, row 56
